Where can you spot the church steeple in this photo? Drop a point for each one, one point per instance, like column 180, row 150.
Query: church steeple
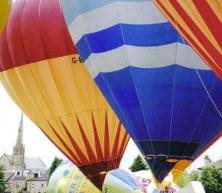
column 19, row 149
column 19, row 140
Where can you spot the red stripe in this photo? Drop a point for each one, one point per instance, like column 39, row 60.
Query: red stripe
column 198, row 33
column 106, row 138
column 64, row 144
column 189, row 39
column 36, row 31
column 75, row 145
column 116, row 143
column 124, row 144
column 211, row 19
column 73, row 159
column 96, row 139
column 89, row 150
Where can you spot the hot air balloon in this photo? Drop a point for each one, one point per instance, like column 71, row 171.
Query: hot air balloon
column 68, row 178
column 43, row 73
column 200, row 23
column 165, row 95
column 4, row 12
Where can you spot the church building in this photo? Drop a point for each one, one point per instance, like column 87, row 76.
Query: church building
column 20, row 170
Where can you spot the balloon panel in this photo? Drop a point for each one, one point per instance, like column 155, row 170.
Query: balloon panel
column 200, row 22
column 164, row 94
column 4, row 12
column 121, row 181
column 43, row 73
column 68, row 178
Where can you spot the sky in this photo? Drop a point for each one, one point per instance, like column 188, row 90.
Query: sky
column 38, row 145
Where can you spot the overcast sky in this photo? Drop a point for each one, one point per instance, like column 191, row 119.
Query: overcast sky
column 37, row 145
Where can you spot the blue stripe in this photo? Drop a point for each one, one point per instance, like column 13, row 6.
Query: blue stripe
column 128, row 34
column 73, row 8
column 143, row 97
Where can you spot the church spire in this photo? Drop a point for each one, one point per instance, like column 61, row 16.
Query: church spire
column 19, row 140
column 18, row 156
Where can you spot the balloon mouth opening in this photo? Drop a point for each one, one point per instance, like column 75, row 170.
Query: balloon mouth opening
column 96, row 172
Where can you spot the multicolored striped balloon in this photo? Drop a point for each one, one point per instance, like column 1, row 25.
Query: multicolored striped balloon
column 200, row 23
column 165, row 95
column 41, row 70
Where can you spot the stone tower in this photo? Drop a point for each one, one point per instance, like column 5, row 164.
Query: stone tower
column 19, row 149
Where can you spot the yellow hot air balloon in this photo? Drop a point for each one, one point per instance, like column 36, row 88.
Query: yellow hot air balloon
column 68, row 178
column 43, row 73
column 4, row 12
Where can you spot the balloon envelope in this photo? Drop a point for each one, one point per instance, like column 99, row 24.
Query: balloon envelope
column 121, row 181
column 200, row 23
column 4, row 12
column 68, row 178
column 164, row 94
column 43, row 73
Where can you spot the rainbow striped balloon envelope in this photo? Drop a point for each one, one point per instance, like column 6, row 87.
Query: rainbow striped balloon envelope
column 165, row 95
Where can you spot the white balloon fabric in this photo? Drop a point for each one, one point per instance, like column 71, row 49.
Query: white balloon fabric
column 67, row 178
column 146, row 179
column 121, row 181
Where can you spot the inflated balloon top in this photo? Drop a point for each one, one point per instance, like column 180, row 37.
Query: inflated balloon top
column 165, row 95
column 200, row 23
column 43, row 73
column 68, row 178
column 4, row 12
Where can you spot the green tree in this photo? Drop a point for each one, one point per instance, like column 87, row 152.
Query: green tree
column 2, row 181
column 211, row 178
column 138, row 164
column 56, row 162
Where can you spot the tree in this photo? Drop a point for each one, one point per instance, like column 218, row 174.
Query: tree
column 211, row 178
column 56, row 162
column 138, row 164
column 2, row 181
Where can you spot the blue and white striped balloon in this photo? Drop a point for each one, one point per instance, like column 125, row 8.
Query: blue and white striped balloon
column 166, row 96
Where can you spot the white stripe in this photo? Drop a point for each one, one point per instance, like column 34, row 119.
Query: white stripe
column 112, row 14
column 144, row 57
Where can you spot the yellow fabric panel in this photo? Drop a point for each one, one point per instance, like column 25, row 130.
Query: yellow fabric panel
column 179, row 168
column 4, row 12
column 192, row 11
column 170, row 8
column 99, row 117
column 216, row 6
column 55, row 93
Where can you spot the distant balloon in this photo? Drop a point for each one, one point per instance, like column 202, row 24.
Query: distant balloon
column 165, row 95
column 121, row 181
column 67, row 178
column 43, row 73
column 4, row 12
column 200, row 23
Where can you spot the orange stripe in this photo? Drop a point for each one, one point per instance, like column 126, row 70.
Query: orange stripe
column 74, row 144
column 89, row 150
column 116, row 142
column 200, row 51
column 212, row 21
column 124, row 144
column 96, row 138
column 199, row 34
column 65, row 145
column 73, row 158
